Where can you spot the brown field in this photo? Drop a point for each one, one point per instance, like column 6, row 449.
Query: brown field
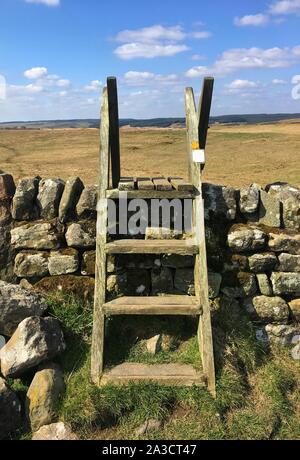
column 236, row 155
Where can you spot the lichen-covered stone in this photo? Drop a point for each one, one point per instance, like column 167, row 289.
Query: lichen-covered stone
column 7, row 187
column 236, row 262
column 10, row 410
column 267, row 309
column 88, row 265
column 162, row 280
column 5, row 214
column 286, row 283
column 269, row 210
column 161, row 233
column 82, row 287
column 219, row 201
column 285, row 241
column 82, row 235
column 243, row 238
column 279, row 334
column 49, row 196
column 214, row 284
column 43, row 395
column 295, row 353
column 31, row 264
column 55, row 432
column 113, row 263
column 42, row 235
column 177, row 261
column 264, row 284
column 289, row 263
column 87, row 204
column 249, row 199
column 16, row 304
column 69, row 200
column 36, row 340
column 290, row 199
column 295, row 309
column 63, row 262
column 24, row 205
column 263, row 262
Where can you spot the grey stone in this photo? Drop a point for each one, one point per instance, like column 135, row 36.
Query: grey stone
column 87, row 204
column 113, row 263
column 89, row 264
column 286, row 283
column 269, row 210
column 31, row 264
column 5, row 214
column 55, row 432
column 16, row 304
column 70, row 198
column 154, row 344
column 214, row 284
column 137, row 261
column 161, row 233
column 290, row 199
column 295, row 353
column 285, row 241
column 162, row 280
column 43, row 235
column 43, row 395
column 283, row 335
column 184, row 280
column 267, row 309
column 249, row 199
column 36, row 340
column 49, row 196
column 82, row 235
column 63, row 262
column 239, row 285
column 24, row 206
column 148, row 427
column 132, row 282
column 295, row 309
column 263, row 262
column 10, row 410
column 243, row 238
column 220, row 201
column 289, row 263
column 177, row 261
column 7, row 187
column 264, row 284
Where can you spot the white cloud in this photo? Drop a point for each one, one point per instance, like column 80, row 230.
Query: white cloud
column 197, row 57
column 35, row 73
column 201, row 35
column 252, row 20
column 147, row 50
column 241, row 84
column 94, row 85
column 151, row 34
column 63, row 83
column 277, row 81
column 134, row 78
column 248, row 58
column 285, row 7
column 45, row 2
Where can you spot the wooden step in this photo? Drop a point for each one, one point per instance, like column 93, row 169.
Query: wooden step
column 151, row 193
column 180, row 247
column 164, row 374
column 164, row 305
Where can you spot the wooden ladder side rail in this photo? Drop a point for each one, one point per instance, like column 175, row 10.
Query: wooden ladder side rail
column 114, row 131
column 97, row 363
column 205, row 338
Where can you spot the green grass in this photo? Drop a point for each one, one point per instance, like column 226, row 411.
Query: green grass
column 258, row 391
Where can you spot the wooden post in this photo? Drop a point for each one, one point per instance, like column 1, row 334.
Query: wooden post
column 114, row 133
column 201, row 276
column 204, row 110
column 100, row 278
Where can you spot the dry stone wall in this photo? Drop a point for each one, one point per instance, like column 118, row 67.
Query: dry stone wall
column 48, row 235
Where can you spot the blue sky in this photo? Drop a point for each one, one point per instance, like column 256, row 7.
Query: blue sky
column 56, row 54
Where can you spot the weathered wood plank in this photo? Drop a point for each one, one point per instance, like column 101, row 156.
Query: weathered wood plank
column 165, row 374
column 205, row 339
column 204, row 110
column 127, row 184
column 114, row 133
column 181, row 247
column 181, row 185
column 145, row 183
column 100, row 278
column 114, row 194
column 163, row 305
column 162, row 184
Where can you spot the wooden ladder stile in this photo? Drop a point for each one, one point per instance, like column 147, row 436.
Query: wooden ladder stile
column 172, row 187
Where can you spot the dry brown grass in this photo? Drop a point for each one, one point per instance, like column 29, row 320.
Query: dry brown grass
column 236, row 155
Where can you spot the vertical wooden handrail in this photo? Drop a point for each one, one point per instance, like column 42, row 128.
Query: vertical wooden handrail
column 204, row 110
column 114, row 131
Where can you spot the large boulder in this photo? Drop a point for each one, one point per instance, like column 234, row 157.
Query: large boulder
column 42, row 235
column 87, row 204
column 69, row 200
column 245, row 238
column 286, row 283
column 17, row 304
column 220, row 201
column 82, row 235
column 31, row 264
column 285, row 241
column 289, row 263
column 49, row 196
column 63, row 262
column 43, row 395
column 10, row 410
column 249, row 199
column 267, row 309
column 36, row 340
column 24, row 202
column 55, row 432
